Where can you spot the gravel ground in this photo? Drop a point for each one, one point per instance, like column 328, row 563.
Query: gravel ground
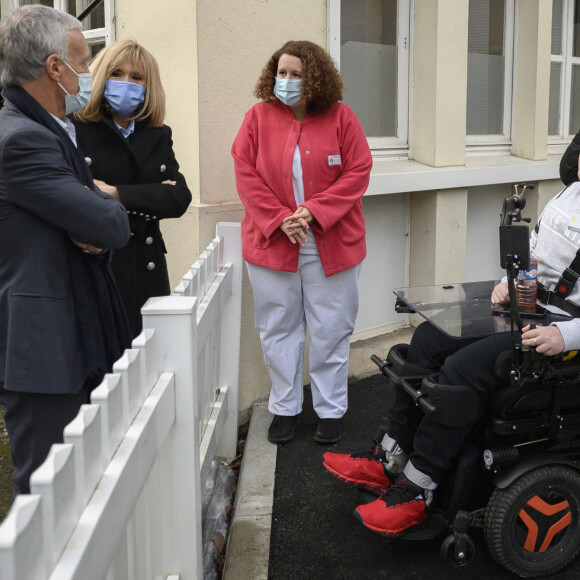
column 5, row 469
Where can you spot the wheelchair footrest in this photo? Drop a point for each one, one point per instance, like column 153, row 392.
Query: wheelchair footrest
column 434, row 526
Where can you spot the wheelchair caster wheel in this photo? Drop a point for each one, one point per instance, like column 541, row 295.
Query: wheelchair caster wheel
column 455, row 558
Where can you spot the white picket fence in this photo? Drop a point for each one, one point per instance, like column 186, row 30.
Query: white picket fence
column 120, row 499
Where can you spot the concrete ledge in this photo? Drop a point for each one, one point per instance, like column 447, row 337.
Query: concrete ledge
column 248, row 549
column 405, row 175
column 360, row 364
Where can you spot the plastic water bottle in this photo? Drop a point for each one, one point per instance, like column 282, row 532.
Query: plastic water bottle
column 527, row 288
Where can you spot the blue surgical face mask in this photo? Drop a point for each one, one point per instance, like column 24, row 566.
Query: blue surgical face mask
column 288, row 91
column 74, row 103
column 124, row 97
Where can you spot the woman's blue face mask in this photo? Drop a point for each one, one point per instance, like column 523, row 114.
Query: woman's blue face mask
column 124, row 97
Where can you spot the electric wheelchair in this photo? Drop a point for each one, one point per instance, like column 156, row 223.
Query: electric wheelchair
column 518, row 475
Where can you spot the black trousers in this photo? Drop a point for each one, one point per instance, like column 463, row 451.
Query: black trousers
column 431, row 446
column 34, row 422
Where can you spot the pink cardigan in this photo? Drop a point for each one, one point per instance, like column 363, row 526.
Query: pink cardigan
column 336, row 164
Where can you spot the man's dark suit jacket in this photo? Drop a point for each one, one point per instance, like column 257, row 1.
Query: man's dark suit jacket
column 42, row 206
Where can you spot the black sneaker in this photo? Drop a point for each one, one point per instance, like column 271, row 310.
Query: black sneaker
column 328, row 431
column 282, row 428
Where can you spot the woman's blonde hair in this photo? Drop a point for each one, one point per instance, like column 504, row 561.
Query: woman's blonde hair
column 152, row 111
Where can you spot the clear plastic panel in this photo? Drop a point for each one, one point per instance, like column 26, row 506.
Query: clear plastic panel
column 460, row 309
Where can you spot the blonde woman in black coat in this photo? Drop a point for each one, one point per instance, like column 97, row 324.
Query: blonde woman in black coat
column 130, row 153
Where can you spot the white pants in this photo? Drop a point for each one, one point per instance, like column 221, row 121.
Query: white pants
column 285, row 304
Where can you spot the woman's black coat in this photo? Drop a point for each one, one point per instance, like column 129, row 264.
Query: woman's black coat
column 136, row 166
column 569, row 161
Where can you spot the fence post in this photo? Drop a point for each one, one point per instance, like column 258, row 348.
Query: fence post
column 22, row 551
column 230, row 335
column 174, row 319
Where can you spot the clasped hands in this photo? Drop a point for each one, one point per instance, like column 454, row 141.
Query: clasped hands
column 547, row 339
column 296, row 225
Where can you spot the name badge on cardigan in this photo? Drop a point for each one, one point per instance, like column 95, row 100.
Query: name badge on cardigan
column 334, row 160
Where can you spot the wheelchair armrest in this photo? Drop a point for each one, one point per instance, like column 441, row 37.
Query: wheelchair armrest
column 417, row 395
column 387, row 369
column 452, row 405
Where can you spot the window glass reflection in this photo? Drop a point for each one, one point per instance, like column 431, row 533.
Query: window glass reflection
column 368, row 63
column 485, row 67
column 554, row 108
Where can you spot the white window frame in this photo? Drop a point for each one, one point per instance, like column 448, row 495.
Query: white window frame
column 106, row 34
column 385, row 146
column 557, row 143
column 498, row 144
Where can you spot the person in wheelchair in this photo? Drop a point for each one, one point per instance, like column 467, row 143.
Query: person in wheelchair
column 411, row 456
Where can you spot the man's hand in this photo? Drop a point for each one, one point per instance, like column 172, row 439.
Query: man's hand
column 547, row 339
column 500, row 294
column 87, row 247
column 106, row 188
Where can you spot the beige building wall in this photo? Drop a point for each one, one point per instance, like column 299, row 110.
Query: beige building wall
column 439, row 82
column 438, row 218
column 173, row 42
column 532, row 78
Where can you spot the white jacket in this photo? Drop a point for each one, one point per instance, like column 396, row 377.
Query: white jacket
column 555, row 246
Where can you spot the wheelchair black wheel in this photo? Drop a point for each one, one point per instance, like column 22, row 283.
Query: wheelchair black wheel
column 532, row 527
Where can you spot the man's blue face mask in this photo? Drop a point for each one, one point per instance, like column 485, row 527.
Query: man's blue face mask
column 74, row 103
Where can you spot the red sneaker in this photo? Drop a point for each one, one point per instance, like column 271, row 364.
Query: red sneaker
column 402, row 507
column 363, row 470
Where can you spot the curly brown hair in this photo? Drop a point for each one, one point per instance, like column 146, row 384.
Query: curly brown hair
column 321, row 84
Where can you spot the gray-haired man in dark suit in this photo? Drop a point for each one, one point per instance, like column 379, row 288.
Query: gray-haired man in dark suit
column 61, row 323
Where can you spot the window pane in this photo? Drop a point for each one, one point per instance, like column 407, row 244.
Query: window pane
column 368, row 63
column 576, row 47
column 485, row 67
column 554, row 109
column 95, row 47
column 575, row 101
column 557, row 22
column 96, row 18
column 49, row 3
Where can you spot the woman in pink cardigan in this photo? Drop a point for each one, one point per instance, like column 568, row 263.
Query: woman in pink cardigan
column 302, row 165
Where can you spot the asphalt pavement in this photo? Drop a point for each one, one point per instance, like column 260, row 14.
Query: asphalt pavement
column 313, row 533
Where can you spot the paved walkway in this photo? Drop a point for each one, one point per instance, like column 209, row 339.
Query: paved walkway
column 248, row 549
column 293, row 520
